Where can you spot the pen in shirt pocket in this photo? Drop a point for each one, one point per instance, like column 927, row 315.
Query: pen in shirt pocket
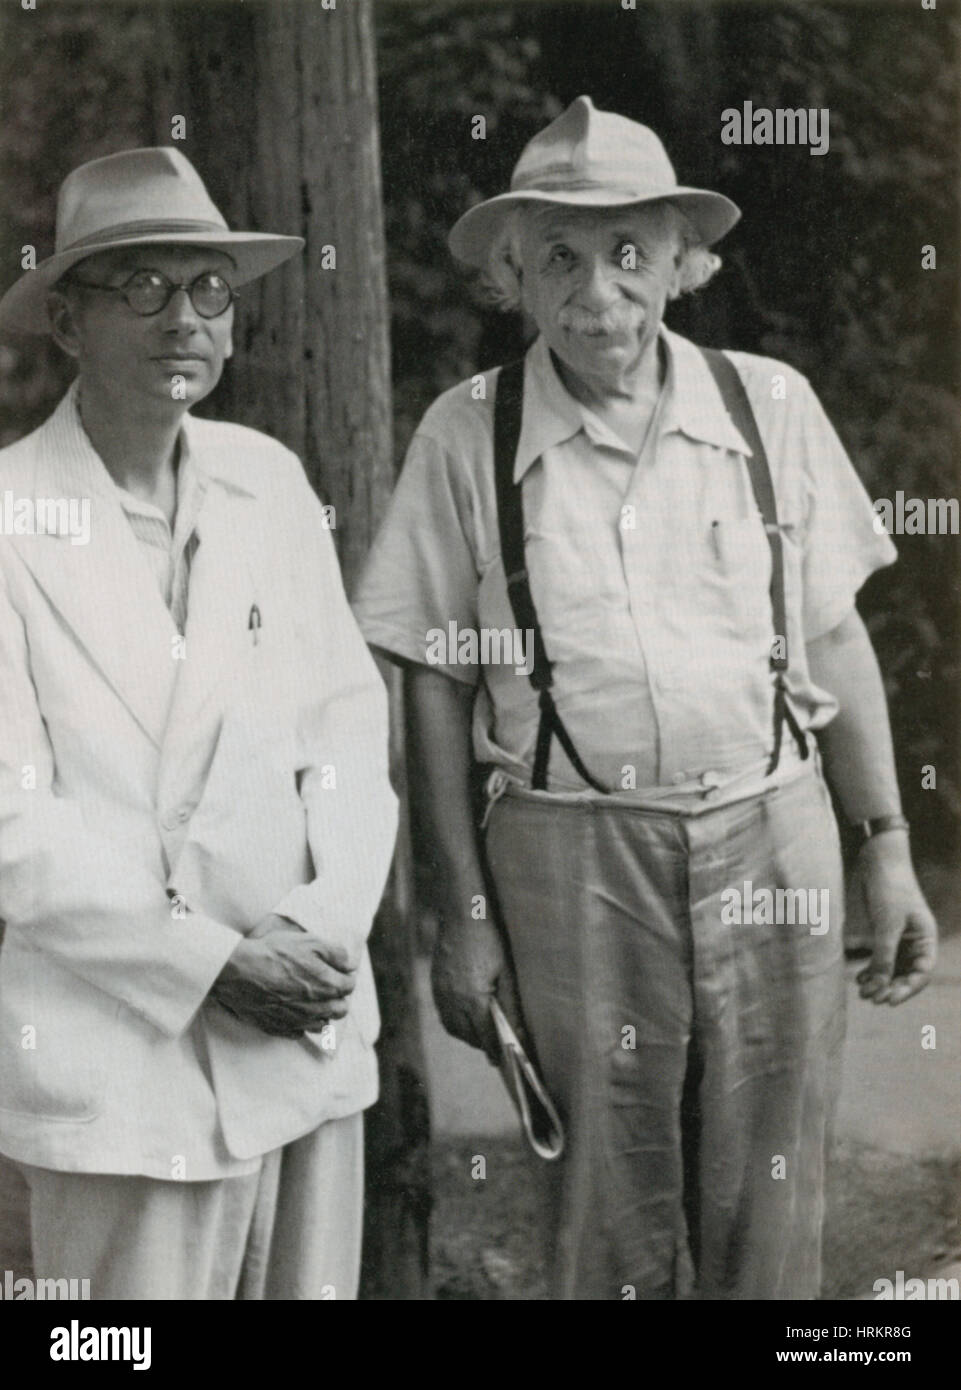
column 716, row 539
column 254, row 623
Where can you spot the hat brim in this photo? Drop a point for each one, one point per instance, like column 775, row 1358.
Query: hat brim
column 23, row 309
column 471, row 236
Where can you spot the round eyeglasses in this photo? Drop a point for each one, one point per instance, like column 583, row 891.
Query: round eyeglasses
column 149, row 291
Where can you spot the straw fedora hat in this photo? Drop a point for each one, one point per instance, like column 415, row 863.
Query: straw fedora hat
column 591, row 159
column 139, row 197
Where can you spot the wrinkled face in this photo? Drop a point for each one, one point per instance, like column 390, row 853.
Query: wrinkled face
column 130, row 357
column 597, row 282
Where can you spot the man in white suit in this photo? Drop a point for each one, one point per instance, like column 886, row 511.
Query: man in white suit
column 196, row 820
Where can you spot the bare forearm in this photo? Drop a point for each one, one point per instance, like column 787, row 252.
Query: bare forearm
column 470, row 964
column 856, row 746
column 859, row 762
column 439, row 749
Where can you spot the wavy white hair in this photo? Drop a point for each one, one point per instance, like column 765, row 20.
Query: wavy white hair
column 500, row 281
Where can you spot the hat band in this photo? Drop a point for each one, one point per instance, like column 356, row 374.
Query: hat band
column 566, row 182
column 124, row 231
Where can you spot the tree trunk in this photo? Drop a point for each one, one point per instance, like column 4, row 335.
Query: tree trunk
column 279, row 104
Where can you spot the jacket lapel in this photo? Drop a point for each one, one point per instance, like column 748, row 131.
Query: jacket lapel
column 218, row 638
column 103, row 589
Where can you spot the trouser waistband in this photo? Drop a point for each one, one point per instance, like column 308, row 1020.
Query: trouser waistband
column 737, row 788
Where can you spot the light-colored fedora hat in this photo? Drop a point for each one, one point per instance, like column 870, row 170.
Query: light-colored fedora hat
column 591, row 159
column 136, row 198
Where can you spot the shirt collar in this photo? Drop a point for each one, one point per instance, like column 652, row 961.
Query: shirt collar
column 692, row 405
column 213, row 463
column 78, row 470
column 695, row 405
column 192, row 484
column 550, row 416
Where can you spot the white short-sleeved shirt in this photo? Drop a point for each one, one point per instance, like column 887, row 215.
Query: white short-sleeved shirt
column 650, row 573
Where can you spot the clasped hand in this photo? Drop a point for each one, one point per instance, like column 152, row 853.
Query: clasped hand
column 285, row 981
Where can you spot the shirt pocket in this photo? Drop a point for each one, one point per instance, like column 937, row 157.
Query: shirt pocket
column 741, row 573
column 569, row 595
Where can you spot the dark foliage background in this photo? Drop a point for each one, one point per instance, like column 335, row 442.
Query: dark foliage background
column 824, row 270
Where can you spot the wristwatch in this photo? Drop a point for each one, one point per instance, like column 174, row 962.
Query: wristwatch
column 864, row 830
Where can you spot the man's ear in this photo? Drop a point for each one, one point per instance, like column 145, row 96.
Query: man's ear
column 675, row 277
column 63, row 323
column 522, row 296
column 229, row 348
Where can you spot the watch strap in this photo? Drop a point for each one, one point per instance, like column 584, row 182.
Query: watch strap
column 867, row 829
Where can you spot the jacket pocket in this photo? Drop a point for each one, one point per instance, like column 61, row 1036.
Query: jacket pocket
column 56, row 1037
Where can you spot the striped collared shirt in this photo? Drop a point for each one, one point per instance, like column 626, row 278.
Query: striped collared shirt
column 168, row 552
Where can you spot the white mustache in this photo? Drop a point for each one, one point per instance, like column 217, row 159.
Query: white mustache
column 617, row 318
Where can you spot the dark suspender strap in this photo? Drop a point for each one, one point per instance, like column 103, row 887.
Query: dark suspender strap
column 508, row 406
column 739, row 408
column 551, row 723
column 545, row 732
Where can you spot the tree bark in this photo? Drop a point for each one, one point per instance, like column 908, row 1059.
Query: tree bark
column 280, row 107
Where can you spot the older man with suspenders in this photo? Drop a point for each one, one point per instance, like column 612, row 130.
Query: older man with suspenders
column 677, row 537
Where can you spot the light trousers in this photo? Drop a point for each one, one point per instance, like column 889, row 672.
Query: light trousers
column 291, row 1230
column 695, row 1059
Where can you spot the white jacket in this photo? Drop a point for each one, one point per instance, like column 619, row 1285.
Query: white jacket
column 155, row 801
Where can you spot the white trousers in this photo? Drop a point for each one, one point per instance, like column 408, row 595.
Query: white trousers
column 292, row 1230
